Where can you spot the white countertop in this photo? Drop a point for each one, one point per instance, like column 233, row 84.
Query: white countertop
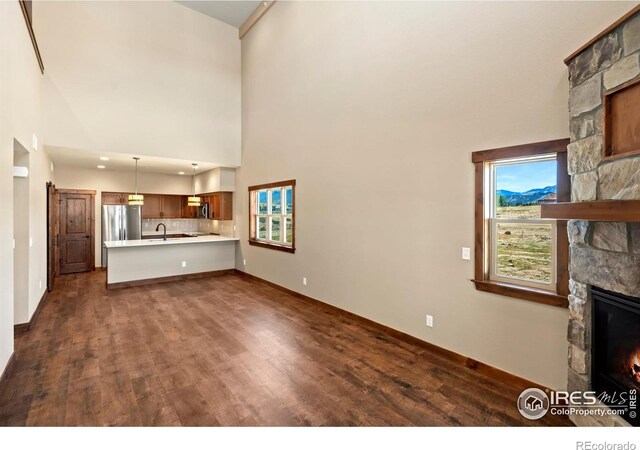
column 169, row 241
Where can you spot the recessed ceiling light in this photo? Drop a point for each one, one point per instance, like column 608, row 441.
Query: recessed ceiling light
column 101, row 167
column 104, row 158
column 180, row 173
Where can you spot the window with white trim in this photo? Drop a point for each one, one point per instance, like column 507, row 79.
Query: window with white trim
column 272, row 215
column 522, row 245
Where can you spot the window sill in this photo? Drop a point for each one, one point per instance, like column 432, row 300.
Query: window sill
column 522, row 293
column 282, row 248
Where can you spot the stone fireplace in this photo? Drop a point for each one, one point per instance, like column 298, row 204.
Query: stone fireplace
column 604, row 255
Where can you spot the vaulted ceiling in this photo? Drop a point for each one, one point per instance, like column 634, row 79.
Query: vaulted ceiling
column 233, row 13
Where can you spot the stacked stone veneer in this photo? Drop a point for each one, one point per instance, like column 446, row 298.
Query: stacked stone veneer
column 603, row 254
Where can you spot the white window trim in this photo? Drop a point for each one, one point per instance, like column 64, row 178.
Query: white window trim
column 283, row 216
column 493, row 221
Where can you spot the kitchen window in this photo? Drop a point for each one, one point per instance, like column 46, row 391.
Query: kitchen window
column 272, row 215
column 518, row 253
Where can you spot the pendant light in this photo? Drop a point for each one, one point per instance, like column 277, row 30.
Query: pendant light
column 136, row 199
column 194, row 201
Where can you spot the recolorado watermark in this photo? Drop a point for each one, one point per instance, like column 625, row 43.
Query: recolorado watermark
column 589, row 445
column 534, row 403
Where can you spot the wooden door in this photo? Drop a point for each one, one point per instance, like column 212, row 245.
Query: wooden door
column 76, row 231
column 112, row 198
column 152, row 207
column 52, row 235
column 171, row 206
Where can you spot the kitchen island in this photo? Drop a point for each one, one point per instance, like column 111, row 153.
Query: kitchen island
column 146, row 261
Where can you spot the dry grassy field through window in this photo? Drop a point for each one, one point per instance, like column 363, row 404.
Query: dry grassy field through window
column 524, row 249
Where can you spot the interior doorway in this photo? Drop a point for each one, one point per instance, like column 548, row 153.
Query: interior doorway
column 76, row 237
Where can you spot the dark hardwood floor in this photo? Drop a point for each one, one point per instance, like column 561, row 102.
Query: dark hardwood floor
column 230, row 351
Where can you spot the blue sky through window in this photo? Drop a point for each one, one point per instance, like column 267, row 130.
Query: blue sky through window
column 526, row 176
column 276, row 201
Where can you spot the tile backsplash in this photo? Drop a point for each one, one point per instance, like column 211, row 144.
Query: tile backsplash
column 222, row 227
column 173, row 225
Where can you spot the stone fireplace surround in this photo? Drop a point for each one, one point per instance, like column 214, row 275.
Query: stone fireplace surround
column 602, row 254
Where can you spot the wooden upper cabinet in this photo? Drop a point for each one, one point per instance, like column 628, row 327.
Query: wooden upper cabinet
column 157, row 206
column 188, row 212
column 171, row 206
column 114, row 198
column 221, row 206
column 152, row 208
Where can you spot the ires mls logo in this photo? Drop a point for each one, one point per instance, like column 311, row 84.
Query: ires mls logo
column 576, row 398
column 533, row 403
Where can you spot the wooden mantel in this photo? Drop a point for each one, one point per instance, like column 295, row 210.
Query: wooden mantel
column 599, row 211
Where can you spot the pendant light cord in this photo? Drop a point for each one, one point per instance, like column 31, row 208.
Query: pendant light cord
column 136, row 176
column 194, row 179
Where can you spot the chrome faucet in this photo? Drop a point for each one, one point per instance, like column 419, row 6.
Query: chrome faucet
column 164, row 238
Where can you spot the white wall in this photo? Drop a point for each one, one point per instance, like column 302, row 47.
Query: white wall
column 116, row 181
column 216, row 180
column 20, row 118
column 20, row 237
column 156, row 77
column 375, row 108
column 39, row 174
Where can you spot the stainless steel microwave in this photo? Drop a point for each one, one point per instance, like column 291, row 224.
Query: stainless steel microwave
column 203, row 211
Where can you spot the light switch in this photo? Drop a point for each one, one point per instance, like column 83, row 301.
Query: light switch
column 466, row 253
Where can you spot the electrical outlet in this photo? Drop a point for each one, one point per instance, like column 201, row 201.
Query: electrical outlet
column 244, row 262
column 429, row 321
column 234, row 228
column 466, row 253
column 304, row 281
column 184, row 264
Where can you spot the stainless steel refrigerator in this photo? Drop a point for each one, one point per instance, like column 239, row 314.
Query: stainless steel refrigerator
column 120, row 223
